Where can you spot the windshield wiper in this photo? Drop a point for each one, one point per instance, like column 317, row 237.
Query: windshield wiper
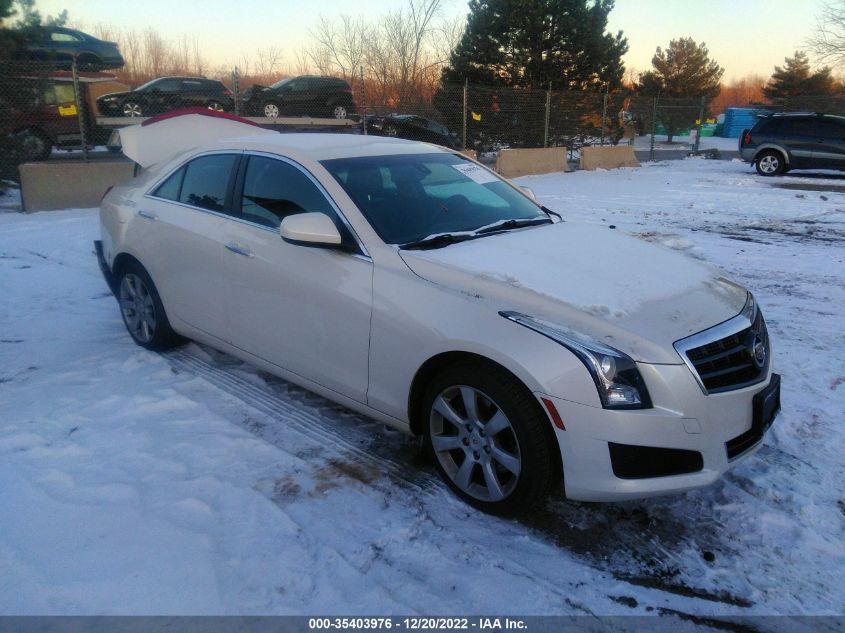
column 512, row 224
column 436, row 241
column 549, row 212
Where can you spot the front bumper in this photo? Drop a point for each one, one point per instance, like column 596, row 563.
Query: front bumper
column 612, row 455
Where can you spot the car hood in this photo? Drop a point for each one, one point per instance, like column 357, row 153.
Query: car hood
column 633, row 295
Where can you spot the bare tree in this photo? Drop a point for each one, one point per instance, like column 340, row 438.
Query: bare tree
column 828, row 42
column 268, row 62
column 341, row 43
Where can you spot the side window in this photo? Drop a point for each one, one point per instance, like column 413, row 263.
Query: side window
column 167, row 85
column 300, row 85
column 798, row 127
column 206, row 181
column 829, row 129
column 57, row 36
column 190, row 85
column 274, row 189
column 169, row 189
column 771, row 127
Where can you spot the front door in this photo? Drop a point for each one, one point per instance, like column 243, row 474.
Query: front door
column 302, row 308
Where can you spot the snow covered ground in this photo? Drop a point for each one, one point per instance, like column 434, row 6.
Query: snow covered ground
column 188, row 483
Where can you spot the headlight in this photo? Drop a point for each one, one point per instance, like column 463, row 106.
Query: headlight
column 617, row 378
column 749, row 311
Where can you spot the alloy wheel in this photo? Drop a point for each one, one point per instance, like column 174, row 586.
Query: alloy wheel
column 132, row 109
column 769, row 164
column 271, row 111
column 216, row 106
column 475, row 443
column 136, row 305
column 339, row 112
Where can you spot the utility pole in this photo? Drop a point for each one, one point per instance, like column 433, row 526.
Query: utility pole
column 653, row 127
column 80, row 110
column 466, row 86
column 548, row 112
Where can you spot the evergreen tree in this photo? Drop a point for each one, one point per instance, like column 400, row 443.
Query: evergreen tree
column 795, row 79
column 684, row 74
column 538, row 42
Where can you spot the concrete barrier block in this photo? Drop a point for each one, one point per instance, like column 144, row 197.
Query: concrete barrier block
column 511, row 163
column 69, row 184
column 608, row 157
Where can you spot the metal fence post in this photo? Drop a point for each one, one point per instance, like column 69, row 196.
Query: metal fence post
column 363, row 105
column 466, row 85
column 548, row 111
column 653, row 129
column 80, row 111
column 236, row 90
column 698, row 129
column 604, row 114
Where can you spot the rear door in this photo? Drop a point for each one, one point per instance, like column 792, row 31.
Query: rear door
column 302, row 308
column 183, row 230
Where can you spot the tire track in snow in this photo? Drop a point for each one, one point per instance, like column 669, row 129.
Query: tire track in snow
column 600, row 538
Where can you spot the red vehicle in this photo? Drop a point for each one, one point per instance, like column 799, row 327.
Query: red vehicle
column 41, row 113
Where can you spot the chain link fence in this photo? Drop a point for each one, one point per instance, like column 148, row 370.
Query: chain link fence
column 48, row 110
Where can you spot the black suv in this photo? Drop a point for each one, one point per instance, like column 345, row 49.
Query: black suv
column 165, row 94
column 301, row 96
column 780, row 142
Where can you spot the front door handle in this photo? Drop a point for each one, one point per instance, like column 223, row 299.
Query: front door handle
column 240, row 250
column 148, row 214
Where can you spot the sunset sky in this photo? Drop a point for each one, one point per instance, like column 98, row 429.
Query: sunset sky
column 744, row 37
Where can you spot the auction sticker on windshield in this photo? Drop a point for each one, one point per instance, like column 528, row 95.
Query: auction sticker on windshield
column 475, row 173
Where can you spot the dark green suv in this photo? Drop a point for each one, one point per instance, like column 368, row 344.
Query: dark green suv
column 780, row 142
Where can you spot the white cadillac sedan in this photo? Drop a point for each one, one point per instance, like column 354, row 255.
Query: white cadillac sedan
column 412, row 284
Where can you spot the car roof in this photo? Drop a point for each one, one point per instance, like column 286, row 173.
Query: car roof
column 323, row 146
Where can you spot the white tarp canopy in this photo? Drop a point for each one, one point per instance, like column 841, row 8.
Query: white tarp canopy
column 163, row 137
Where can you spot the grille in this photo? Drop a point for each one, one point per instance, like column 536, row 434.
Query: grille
column 729, row 363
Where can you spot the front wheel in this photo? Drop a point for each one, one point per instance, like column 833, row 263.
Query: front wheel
column 271, row 110
column 133, row 109
column 142, row 310
column 489, row 440
column 770, row 164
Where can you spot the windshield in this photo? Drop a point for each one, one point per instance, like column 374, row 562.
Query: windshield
column 146, row 85
column 408, row 197
column 282, row 82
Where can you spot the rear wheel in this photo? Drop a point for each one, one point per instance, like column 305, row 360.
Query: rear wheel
column 215, row 105
column 770, row 163
column 339, row 111
column 486, row 434
column 142, row 310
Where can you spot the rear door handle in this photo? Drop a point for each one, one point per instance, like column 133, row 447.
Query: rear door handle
column 240, row 250
column 148, row 214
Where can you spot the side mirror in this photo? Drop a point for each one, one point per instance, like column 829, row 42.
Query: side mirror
column 310, row 229
column 528, row 193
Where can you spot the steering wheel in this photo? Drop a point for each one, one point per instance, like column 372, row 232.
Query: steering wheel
column 456, row 204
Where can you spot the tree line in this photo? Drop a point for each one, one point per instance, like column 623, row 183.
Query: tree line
column 408, row 54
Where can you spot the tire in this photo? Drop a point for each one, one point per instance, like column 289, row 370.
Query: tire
column 34, row 145
column 506, row 470
column 142, row 311
column 390, row 130
column 339, row 111
column 215, row 105
column 770, row 163
column 271, row 110
column 132, row 109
